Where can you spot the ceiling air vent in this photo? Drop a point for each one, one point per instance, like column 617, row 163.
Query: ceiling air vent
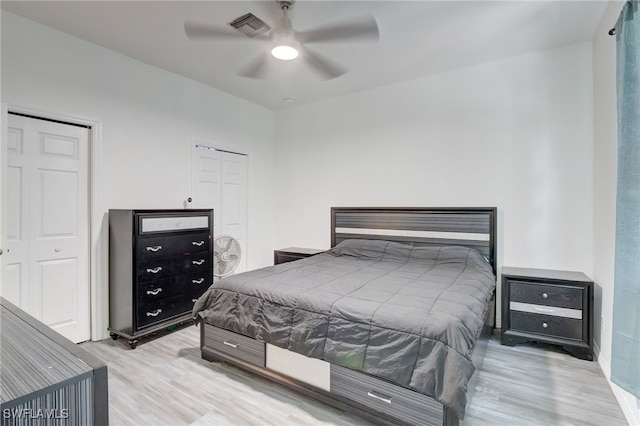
column 250, row 25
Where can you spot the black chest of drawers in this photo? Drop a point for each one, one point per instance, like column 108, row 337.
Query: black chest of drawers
column 160, row 262
column 548, row 306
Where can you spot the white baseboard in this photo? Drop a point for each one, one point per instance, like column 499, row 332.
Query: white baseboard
column 626, row 401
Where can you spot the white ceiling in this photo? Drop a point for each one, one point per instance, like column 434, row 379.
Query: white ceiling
column 417, row 38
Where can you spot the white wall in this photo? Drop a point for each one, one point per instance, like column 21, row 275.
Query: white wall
column 148, row 117
column 604, row 206
column 514, row 134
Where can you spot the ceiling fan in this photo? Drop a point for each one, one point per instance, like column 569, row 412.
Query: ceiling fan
column 286, row 43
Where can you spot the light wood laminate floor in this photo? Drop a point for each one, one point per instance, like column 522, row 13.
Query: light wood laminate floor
column 165, row 382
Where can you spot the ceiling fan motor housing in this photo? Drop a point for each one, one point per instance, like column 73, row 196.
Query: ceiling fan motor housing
column 288, row 4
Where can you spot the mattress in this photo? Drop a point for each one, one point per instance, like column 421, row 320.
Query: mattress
column 410, row 315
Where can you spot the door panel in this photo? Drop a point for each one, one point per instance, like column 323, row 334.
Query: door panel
column 58, row 280
column 48, row 234
column 57, row 214
column 14, row 274
column 205, row 176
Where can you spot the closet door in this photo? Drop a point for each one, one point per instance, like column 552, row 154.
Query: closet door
column 233, row 201
column 219, row 182
column 47, row 246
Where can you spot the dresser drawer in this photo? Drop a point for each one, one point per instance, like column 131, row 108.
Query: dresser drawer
column 547, row 325
column 235, row 345
column 155, row 269
column 152, row 312
column 379, row 395
column 171, row 245
column 168, row 223
column 546, row 294
column 169, row 287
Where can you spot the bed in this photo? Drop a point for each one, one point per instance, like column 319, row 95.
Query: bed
column 389, row 323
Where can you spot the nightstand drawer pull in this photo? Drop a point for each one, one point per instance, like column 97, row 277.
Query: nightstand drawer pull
column 198, row 262
column 154, row 292
column 233, row 345
column 382, row 398
column 198, row 281
column 197, row 243
column 154, row 270
column 544, row 309
column 154, row 249
column 545, row 325
column 545, row 295
column 154, row 313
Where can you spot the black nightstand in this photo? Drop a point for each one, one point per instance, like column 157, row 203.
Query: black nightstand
column 548, row 306
column 290, row 254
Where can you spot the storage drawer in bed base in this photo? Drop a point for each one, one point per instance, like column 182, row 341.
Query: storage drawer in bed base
column 235, row 345
column 404, row 404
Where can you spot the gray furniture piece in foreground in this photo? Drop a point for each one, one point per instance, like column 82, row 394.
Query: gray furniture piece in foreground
column 46, row 379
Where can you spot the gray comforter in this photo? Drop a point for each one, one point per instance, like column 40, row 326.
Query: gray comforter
column 409, row 315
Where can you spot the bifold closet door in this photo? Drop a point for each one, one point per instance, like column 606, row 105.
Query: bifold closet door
column 47, row 237
column 219, row 182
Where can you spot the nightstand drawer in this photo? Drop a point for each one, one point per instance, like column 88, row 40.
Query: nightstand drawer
column 293, row 253
column 546, row 325
column 284, row 258
column 236, row 345
column 546, row 294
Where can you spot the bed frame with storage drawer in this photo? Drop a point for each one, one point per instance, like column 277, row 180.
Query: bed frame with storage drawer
column 370, row 397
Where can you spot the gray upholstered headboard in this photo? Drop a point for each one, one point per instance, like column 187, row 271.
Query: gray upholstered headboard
column 419, row 226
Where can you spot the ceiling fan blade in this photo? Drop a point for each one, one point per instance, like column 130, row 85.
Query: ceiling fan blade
column 200, row 31
column 363, row 28
column 322, row 66
column 257, row 68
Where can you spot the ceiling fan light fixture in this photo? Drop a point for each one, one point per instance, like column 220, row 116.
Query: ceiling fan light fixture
column 285, row 50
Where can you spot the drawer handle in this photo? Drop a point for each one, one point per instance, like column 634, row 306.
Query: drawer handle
column 154, row 292
column 382, row 398
column 155, row 270
column 154, row 249
column 198, row 262
column 197, row 243
column 233, row 345
column 545, row 295
column 154, row 313
column 545, row 325
column 544, row 310
column 198, row 281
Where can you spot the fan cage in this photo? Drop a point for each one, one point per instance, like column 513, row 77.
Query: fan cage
column 226, row 255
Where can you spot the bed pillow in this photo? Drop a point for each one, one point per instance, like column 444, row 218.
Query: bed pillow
column 399, row 252
column 372, row 249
